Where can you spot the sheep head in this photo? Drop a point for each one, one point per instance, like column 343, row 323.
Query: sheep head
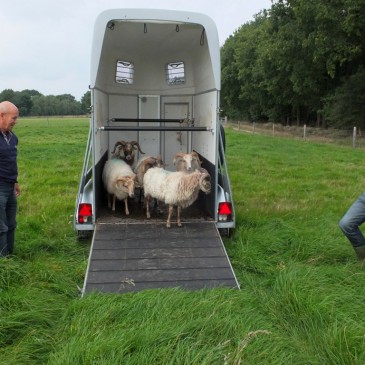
column 126, row 150
column 187, row 161
column 125, row 184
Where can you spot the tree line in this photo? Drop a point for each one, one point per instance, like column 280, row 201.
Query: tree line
column 33, row 103
column 299, row 62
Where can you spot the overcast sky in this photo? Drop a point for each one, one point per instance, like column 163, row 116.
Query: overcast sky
column 46, row 44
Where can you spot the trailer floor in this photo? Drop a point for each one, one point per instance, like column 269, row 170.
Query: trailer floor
column 130, row 257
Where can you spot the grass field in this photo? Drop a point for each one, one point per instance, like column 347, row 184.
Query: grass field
column 302, row 294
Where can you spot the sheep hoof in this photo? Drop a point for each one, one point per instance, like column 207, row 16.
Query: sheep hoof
column 168, row 225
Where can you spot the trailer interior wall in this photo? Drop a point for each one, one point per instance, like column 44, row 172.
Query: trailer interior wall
column 150, row 52
column 150, row 45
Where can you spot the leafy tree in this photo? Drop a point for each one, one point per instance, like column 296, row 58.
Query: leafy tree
column 346, row 107
column 32, row 102
column 294, row 61
column 22, row 99
column 7, row 94
column 24, row 103
column 86, row 102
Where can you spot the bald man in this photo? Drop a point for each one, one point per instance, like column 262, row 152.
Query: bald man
column 9, row 187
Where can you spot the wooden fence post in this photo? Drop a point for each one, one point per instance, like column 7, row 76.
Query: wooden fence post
column 305, row 131
column 354, row 138
column 273, row 129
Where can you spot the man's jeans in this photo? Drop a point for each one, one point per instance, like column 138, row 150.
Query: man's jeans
column 8, row 210
column 351, row 221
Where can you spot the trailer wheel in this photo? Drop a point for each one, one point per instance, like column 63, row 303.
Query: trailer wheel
column 84, row 235
column 225, row 232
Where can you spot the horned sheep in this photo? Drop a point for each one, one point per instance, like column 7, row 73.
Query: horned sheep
column 119, row 181
column 174, row 188
column 126, row 151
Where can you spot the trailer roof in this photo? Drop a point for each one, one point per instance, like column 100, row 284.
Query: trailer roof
column 107, row 17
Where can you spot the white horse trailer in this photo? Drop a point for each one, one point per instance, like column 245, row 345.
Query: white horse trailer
column 155, row 79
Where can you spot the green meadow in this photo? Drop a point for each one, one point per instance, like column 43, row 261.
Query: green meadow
column 302, row 296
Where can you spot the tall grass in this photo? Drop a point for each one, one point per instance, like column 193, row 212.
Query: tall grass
column 302, row 290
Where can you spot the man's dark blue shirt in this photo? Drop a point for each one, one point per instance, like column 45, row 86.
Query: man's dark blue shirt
column 8, row 157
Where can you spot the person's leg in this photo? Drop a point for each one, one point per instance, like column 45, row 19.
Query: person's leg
column 4, row 196
column 350, row 223
column 11, row 216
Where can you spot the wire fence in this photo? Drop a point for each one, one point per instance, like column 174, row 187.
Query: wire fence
column 347, row 137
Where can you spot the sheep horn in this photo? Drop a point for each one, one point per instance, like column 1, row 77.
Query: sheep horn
column 177, row 157
column 135, row 143
column 195, row 154
column 159, row 161
column 149, row 162
column 205, row 181
column 118, row 143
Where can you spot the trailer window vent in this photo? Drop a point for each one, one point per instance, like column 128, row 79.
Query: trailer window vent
column 175, row 73
column 124, row 72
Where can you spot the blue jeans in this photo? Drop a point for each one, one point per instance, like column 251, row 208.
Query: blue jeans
column 351, row 221
column 8, row 210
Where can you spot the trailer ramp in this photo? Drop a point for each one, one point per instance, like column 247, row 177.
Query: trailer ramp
column 139, row 256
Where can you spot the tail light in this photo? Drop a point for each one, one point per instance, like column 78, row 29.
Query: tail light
column 85, row 213
column 224, row 212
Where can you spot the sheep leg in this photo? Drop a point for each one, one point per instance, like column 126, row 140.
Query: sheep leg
column 126, row 206
column 147, row 202
column 178, row 216
column 168, row 222
column 158, row 207
column 113, row 206
column 140, row 196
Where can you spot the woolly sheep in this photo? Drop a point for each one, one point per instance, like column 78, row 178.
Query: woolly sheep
column 119, row 182
column 174, row 188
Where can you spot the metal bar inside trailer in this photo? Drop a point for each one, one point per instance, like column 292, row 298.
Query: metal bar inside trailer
column 156, row 128
column 146, row 120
